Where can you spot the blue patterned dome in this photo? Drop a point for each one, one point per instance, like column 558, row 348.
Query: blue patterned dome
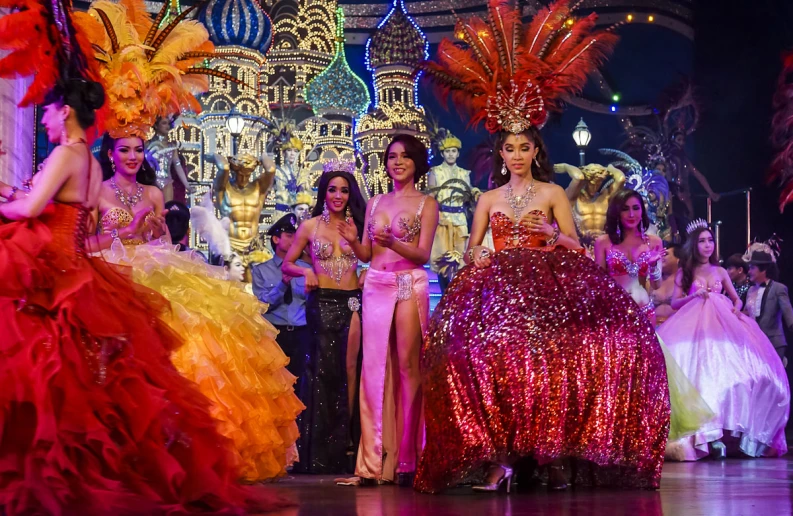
column 337, row 87
column 238, row 22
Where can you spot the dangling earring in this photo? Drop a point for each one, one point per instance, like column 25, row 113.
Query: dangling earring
column 641, row 227
column 619, row 233
column 347, row 215
column 536, row 163
column 503, row 169
column 326, row 214
column 113, row 166
column 64, row 137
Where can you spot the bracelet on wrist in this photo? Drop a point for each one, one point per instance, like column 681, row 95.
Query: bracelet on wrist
column 554, row 238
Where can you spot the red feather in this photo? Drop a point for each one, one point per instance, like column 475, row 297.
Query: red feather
column 781, row 168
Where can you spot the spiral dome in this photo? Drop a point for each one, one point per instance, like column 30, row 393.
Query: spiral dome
column 337, row 87
column 238, row 22
column 398, row 40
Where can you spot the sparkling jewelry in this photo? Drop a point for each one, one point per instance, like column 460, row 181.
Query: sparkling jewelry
column 114, row 233
column 354, row 304
column 554, row 238
column 325, row 214
column 404, row 286
column 503, row 169
column 123, row 197
column 518, row 203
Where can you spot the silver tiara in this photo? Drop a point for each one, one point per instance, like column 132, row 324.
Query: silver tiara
column 339, row 165
column 696, row 224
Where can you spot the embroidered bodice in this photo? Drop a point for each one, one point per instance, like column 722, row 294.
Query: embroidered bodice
column 117, row 218
column 408, row 230
column 506, row 236
column 334, row 266
column 697, row 284
column 620, row 265
column 69, row 224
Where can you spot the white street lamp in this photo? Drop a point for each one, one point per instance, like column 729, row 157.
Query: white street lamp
column 582, row 137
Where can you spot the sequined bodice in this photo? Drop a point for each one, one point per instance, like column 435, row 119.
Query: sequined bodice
column 697, row 284
column 117, row 218
column 334, row 266
column 620, row 265
column 505, row 235
column 409, row 230
column 69, row 226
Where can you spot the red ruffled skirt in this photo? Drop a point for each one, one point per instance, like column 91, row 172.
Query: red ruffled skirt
column 94, row 419
column 542, row 355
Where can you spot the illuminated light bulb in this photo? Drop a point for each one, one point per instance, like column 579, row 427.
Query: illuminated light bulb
column 630, row 17
column 651, row 18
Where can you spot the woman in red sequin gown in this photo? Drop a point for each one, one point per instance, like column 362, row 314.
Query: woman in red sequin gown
column 535, row 352
column 94, row 419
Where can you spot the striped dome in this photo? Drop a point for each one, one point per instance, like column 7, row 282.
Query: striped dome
column 238, row 22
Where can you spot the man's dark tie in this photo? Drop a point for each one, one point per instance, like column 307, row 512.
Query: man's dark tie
column 288, row 294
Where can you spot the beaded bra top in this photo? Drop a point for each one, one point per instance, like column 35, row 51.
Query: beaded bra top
column 409, row 230
column 334, row 266
column 507, row 236
column 620, row 265
column 117, row 218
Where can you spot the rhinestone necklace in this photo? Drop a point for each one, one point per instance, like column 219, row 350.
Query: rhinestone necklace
column 123, row 197
column 518, row 203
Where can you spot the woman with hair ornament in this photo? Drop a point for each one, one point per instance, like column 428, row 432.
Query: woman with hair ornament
column 533, row 330
column 727, row 357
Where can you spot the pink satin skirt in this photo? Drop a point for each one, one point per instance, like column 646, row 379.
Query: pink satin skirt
column 381, row 414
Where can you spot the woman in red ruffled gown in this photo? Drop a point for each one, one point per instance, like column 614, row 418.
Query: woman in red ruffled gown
column 94, row 419
column 534, row 352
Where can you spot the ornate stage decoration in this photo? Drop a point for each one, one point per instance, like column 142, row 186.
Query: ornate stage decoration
column 338, row 97
column 393, row 54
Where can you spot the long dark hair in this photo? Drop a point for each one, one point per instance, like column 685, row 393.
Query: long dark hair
column 542, row 173
column 691, row 258
column 415, row 150
column 615, row 211
column 146, row 174
column 83, row 96
column 355, row 202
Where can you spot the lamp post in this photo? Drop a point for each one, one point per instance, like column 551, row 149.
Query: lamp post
column 582, row 137
column 235, row 124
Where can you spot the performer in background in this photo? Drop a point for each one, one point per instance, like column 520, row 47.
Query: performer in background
column 329, row 434
column 167, row 162
column 451, row 187
column 767, row 300
column 534, row 330
column 738, row 271
column 633, row 259
column 727, row 357
column 662, row 296
column 94, row 418
column 287, row 174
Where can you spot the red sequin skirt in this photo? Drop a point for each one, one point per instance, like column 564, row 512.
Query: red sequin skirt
column 542, row 355
column 94, row 418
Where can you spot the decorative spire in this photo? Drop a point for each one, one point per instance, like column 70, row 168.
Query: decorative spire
column 397, row 41
column 337, row 88
column 240, row 23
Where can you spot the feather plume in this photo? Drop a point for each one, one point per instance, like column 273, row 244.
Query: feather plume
column 781, row 168
column 145, row 70
column 214, row 231
column 513, row 74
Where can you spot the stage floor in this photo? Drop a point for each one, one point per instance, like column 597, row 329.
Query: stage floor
column 707, row 488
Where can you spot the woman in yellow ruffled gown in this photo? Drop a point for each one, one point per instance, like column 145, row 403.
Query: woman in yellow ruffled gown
column 230, row 350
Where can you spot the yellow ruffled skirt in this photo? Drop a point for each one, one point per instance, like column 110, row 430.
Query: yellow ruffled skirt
column 230, row 352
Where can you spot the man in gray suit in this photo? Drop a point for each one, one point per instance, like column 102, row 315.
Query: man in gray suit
column 768, row 301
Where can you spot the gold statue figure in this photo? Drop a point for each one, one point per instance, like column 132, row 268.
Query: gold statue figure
column 241, row 199
column 589, row 197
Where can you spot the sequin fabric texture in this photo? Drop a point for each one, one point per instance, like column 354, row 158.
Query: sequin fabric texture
column 542, row 355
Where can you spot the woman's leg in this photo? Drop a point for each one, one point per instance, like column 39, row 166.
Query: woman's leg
column 408, row 346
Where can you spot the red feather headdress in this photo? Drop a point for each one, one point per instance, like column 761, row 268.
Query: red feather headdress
column 44, row 44
column 782, row 133
column 512, row 75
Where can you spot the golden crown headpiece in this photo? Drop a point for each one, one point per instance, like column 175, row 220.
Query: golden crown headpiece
column 304, row 198
column 292, row 143
column 450, row 142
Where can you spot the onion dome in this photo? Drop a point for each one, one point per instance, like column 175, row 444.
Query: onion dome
column 240, row 23
column 337, row 87
column 397, row 41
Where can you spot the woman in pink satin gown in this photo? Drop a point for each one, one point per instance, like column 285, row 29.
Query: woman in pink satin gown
column 727, row 357
column 399, row 230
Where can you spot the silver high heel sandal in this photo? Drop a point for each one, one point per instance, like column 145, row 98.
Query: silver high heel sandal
column 495, row 486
